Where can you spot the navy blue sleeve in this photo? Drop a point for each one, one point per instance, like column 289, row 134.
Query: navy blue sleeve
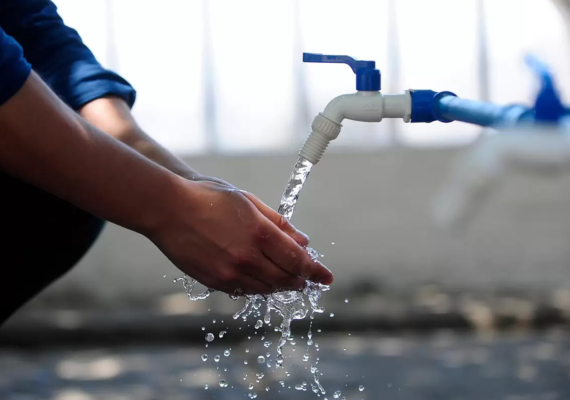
column 14, row 69
column 57, row 53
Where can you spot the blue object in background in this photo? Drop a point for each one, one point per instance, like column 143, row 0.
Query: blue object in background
column 429, row 106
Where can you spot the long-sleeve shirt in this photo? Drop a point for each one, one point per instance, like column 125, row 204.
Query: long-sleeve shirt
column 33, row 36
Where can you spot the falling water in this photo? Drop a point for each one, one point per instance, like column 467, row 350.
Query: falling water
column 290, row 196
column 290, row 305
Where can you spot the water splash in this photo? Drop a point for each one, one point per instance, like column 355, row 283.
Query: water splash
column 289, row 305
column 189, row 284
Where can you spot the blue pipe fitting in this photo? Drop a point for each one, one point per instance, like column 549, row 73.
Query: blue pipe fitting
column 425, row 106
column 429, row 106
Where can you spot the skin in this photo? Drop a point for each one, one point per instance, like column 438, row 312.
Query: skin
column 225, row 238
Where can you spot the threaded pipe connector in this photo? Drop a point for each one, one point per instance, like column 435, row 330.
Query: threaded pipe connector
column 314, row 147
column 324, row 130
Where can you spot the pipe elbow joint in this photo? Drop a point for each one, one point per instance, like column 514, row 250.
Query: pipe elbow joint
column 369, row 107
column 360, row 106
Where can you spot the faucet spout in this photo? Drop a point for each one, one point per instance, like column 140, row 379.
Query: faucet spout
column 363, row 106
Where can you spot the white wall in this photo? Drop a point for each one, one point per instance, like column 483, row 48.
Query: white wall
column 373, row 206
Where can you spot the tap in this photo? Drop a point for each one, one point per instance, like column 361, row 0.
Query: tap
column 529, row 139
column 368, row 104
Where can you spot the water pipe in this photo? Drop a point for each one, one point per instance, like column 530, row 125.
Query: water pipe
column 540, row 144
column 429, row 106
column 368, row 104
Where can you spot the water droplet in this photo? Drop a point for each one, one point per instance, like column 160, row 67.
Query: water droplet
column 267, row 344
column 206, row 387
column 344, row 349
column 332, row 243
column 259, row 376
column 319, row 330
column 245, row 362
column 261, row 359
column 252, row 395
column 299, row 387
column 164, row 276
column 247, row 350
column 203, row 328
column 204, row 357
column 223, row 383
column 214, row 321
column 222, row 333
column 227, row 352
column 209, row 337
column 331, row 315
column 258, row 324
column 250, row 387
column 361, row 388
column 346, row 300
column 267, row 388
column 306, row 357
column 337, row 394
column 217, row 358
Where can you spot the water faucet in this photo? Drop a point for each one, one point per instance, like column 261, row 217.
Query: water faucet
column 366, row 105
column 530, row 138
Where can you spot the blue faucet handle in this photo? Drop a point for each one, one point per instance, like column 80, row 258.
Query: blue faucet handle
column 368, row 78
column 548, row 106
column 351, row 62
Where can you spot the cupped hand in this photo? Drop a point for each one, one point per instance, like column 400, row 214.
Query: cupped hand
column 279, row 220
column 229, row 240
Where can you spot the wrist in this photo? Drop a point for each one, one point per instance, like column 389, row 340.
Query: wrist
column 163, row 213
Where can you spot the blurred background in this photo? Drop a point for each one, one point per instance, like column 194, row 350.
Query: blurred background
column 415, row 312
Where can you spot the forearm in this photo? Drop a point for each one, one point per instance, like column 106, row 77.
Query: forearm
column 45, row 143
column 112, row 115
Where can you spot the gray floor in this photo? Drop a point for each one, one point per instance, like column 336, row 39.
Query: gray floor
column 438, row 366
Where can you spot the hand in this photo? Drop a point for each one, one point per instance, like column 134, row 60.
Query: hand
column 279, row 220
column 230, row 241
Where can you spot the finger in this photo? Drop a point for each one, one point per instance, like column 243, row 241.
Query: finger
column 268, row 272
column 280, row 221
column 292, row 258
